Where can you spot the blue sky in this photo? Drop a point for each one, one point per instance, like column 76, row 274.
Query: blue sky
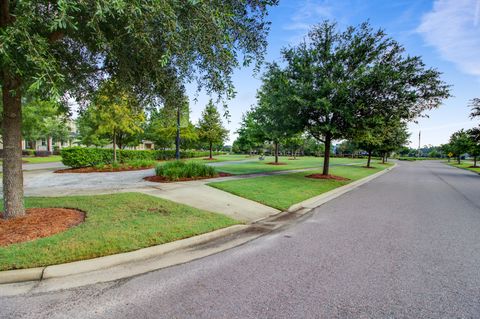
column 446, row 33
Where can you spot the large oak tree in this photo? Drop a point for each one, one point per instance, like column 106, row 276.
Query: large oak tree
column 342, row 79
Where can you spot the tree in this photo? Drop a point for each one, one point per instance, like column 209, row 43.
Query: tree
column 460, row 143
column 210, row 127
column 294, row 143
column 115, row 113
column 271, row 112
column 475, row 105
column 474, row 135
column 250, row 136
column 163, row 128
column 343, row 79
column 347, row 147
column 44, row 120
column 66, row 48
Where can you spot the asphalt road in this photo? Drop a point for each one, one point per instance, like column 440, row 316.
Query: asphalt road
column 406, row 245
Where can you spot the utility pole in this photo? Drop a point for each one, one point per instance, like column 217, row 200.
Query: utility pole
column 177, row 139
column 419, row 142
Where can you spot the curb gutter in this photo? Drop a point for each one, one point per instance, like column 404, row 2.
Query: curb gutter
column 334, row 193
column 267, row 225
column 82, row 266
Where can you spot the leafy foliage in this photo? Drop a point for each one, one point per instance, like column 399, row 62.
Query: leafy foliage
column 179, row 169
column 210, row 127
column 85, row 157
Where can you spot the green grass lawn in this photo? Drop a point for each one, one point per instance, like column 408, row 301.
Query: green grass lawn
column 47, row 159
column 262, row 166
column 114, row 224
column 222, row 158
column 465, row 165
column 282, row 191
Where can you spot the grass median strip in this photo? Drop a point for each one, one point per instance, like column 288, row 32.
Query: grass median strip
column 282, row 191
column 251, row 167
column 114, row 224
column 465, row 165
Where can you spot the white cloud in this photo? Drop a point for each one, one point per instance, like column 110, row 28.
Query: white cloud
column 453, row 28
column 307, row 13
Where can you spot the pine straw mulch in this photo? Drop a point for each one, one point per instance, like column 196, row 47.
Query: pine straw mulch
column 332, row 177
column 163, row 179
column 86, row 170
column 38, row 223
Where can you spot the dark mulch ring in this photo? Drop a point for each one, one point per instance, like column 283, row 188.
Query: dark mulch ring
column 162, row 179
column 273, row 163
column 474, row 166
column 84, row 170
column 369, row 167
column 334, row 177
column 210, row 159
column 38, row 223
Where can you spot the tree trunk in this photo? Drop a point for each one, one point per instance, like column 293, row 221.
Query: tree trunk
column 211, row 157
column 458, row 160
column 276, row 152
column 326, row 159
column 369, row 158
column 177, row 137
column 114, row 147
column 49, row 144
column 383, row 158
column 475, row 161
column 12, row 148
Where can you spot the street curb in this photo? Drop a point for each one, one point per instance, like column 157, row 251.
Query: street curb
column 21, row 275
column 334, row 193
column 82, row 266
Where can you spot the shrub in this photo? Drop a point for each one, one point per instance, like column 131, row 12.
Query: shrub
column 140, row 163
column 84, row 157
column 42, row 153
column 179, row 169
column 28, row 152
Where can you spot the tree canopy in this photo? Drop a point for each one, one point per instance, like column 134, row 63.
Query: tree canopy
column 210, row 127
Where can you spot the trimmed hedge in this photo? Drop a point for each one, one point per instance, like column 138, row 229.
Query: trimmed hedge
column 84, row 157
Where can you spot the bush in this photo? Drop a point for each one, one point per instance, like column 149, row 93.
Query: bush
column 85, row 157
column 179, row 169
column 28, row 152
column 140, row 163
column 42, row 153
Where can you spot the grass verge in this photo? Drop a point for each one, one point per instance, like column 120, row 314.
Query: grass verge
column 282, row 191
column 251, row 167
column 114, row 224
column 465, row 165
column 47, row 159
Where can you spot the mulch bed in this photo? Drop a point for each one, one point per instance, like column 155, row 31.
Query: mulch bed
column 474, row 166
column 210, row 159
column 38, row 223
column 369, row 167
column 86, row 170
column 273, row 163
column 334, row 177
column 162, row 179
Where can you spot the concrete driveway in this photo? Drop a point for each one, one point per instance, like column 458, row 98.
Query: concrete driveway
column 406, row 245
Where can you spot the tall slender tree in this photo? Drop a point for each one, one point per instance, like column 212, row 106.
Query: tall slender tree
column 210, row 127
